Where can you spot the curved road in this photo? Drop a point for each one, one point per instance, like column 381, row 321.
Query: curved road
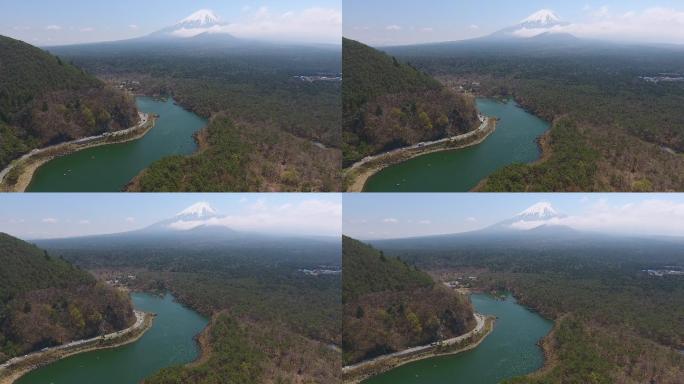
column 480, row 319
column 139, row 320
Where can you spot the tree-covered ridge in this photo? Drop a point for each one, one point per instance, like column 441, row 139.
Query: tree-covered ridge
column 253, row 353
column 369, row 73
column 388, row 104
column 252, row 158
column 389, row 306
column 571, row 166
column 367, row 270
column 234, row 358
column 44, row 100
column 46, row 301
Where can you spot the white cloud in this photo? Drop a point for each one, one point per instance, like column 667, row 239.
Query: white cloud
column 49, row 220
column 428, row 29
column 130, row 219
column 656, row 24
column 306, row 218
column 651, row 217
column 133, row 26
column 601, row 12
column 390, row 220
column 474, row 26
column 393, row 27
column 84, row 222
column 425, row 222
column 312, row 25
column 471, row 219
column 53, row 28
column 87, row 29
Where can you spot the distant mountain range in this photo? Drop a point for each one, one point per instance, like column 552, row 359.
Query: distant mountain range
column 543, row 32
column 197, row 228
column 200, row 33
column 543, row 24
column 539, row 227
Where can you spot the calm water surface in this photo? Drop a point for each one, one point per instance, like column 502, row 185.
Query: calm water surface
column 108, row 168
column 514, row 141
column 510, row 350
column 169, row 342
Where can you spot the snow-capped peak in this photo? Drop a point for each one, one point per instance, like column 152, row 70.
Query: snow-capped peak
column 543, row 17
column 539, row 210
column 201, row 17
column 201, row 209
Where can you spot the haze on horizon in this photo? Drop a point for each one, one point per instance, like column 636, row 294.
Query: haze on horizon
column 44, row 216
column 405, row 22
column 401, row 215
column 47, row 23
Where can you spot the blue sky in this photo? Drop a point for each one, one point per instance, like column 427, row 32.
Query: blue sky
column 388, row 22
column 33, row 216
column 396, row 215
column 47, row 22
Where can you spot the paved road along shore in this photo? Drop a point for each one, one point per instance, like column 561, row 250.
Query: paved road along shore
column 139, row 320
column 480, row 319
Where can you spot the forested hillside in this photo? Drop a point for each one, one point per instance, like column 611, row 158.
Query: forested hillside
column 388, row 104
column 252, row 157
column 46, row 301
column 389, row 305
column 45, row 100
column 628, row 130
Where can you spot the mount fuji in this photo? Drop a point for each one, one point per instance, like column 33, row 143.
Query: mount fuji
column 201, row 25
column 540, row 217
column 543, row 24
column 199, row 217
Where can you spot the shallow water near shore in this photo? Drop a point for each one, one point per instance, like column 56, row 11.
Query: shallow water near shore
column 510, row 350
column 108, row 168
column 460, row 170
column 169, row 342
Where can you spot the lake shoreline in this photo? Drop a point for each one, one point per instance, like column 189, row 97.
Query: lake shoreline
column 545, row 152
column 28, row 164
column 358, row 375
column 356, row 176
column 12, row 374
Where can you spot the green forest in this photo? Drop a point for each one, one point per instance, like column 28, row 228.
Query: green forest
column 252, row 157
column 46, row 100
column 46, row 301
column 387, row 104
column 389, row 305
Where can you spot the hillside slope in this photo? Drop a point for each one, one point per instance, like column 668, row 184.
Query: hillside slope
column 389, row 305
column 44, row 101
column 46, row 301
column 389, row 104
